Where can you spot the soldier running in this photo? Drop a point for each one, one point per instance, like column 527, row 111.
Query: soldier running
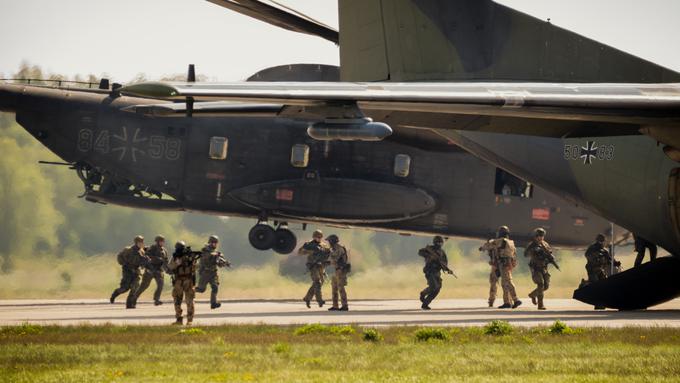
column 131, row 259
column 317, row 252
column 211, row 260
column 183, row 271
column 504, row 249
column 340, row 263
column 435, row 262
column 154, row 270
column 540, row 256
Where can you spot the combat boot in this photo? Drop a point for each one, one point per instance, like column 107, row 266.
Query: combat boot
column 309, row 306
column 190, row 321
column 517, row 304
column 178, row 321
column 425, row 306
column 333, row 309
column 215, row 305
column 541, row 306
column 157, row 303
column 113, row 297
column 321, row 303
column 533, row 299
column 490, row 303
column 344, row 308
column 505, row 306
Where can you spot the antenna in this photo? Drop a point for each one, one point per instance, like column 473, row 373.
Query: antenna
column 191, row 77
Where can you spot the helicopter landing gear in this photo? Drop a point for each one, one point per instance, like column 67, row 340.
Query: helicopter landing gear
column 264, row 237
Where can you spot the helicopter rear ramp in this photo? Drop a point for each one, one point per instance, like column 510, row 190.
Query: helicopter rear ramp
column 645, row 286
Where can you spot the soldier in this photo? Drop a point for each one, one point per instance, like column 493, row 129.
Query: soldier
column 504, row 249
column 598, row 259
column 154, row 269
column 540, row 256
column 494, row 276
column 317, row 252
column 641, row 245
column 131, row 259
column 339, row 261
column 183, row 271
column 435, row 262
column 211, row 259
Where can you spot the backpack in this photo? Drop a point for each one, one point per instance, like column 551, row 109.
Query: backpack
column 121, row 256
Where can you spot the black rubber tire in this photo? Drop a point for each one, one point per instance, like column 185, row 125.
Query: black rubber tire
column 285, row 241
column 262, row 237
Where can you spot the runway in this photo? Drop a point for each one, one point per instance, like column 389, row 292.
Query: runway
column 451, row 312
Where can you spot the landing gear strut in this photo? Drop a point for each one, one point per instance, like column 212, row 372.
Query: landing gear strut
column 264, row 237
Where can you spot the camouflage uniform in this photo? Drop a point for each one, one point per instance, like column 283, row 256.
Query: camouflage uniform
column 211, row 260
column 598, row 258
column 317, row 253
column 538, row 263
column 158, row 263
column 131, row 259
column 339, row 262
column 504, row 248
column 435, row 262
column 494, row 277
column 183, row 270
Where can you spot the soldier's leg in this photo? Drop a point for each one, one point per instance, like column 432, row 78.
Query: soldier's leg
column 493, row 286
column 433, row 287
column 310, row 292
column 652, row 252
column 177, row 293
column 335, row 289
column 317, row 291
column 640, row 256
column 214, row 289
column 160, row 281
column 146, row 281
column 342, row 282
column 125, row 282
column 426, row 291
column 189, row 296
column 202, row 283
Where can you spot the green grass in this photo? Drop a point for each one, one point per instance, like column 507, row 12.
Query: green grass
column 276, row 354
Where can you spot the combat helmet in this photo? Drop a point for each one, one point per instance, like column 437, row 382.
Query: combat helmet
column 503, row 231
column 540, row 232
column 213, row 239
column 180, row 245
column 600, row 238
column 138, row 238
column 159, row 238
column 317, row 233
column 333, row 239
column 438, row 240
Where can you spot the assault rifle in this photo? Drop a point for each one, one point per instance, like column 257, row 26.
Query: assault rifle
column 433, row 255
column 548, row 256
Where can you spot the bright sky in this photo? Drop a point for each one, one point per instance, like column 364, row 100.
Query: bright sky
column 158, row 37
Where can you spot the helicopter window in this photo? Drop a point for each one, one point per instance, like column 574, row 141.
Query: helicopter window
column 218, row 148
column 402, row 165
column 510, row 186
column 299, row 156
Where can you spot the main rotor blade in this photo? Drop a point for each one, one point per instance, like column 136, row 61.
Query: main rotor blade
column 281, row 16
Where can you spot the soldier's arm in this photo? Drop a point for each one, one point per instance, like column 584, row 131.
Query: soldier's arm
column 487, row 246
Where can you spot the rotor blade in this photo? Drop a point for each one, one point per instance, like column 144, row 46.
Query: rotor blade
column 281, row 16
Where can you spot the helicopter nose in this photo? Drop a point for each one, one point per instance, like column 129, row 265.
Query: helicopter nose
column 9, row 97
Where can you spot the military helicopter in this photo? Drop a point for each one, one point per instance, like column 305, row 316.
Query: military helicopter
column 377, row 149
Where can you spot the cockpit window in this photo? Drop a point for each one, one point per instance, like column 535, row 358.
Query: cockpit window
column 402, row 165
column 299, row 156
column 218, row 148
column 508, row 185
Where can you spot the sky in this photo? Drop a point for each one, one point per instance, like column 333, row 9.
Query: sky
column 121, row 38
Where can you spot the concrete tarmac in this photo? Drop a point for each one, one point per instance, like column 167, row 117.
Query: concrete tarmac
column 445, row 312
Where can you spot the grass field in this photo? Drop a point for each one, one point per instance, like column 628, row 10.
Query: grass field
column 316, row 353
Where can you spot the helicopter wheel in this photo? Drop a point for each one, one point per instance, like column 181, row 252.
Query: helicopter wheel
column 262, row 237
column 285, row 241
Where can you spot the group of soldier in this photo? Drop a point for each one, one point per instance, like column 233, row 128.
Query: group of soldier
column 503, row 260
column 154, row 262
column 151, row 263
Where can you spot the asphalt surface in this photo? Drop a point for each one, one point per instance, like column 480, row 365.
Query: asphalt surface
column 446, row 312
